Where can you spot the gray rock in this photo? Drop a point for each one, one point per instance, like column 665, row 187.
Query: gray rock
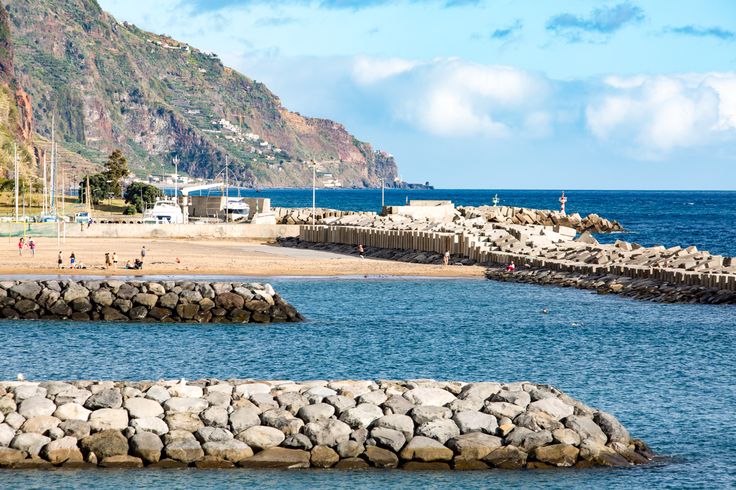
column 552, row 406
column 340, row 402
column 74, row 291
column 215, row 416
column 282, row 420
column 566, row 436
column 212, row 434
column 441, row 430
column 6, row 434
column 261, row 437
column 318, row 411
column 145, row 299
column 475, row 422
column 297, row 441
column 479, row 391
column 158, row 393
column 29, row 442
column 184, row 450
column 168, row 300
column 424, row 414
column 429, row 396
column 185, row 405
column 519, row 398
column 503, row 409
column 109, row 398
column 398, row 405
column 388, row 438
column 73, row 395
column 474, row 445
column 40, row 424
column 402, row 423
column 243, row 418
column 328, row 432
column 150, row 424
column 28, row 290
column 422, row 448
column 361, row 416
column 586, row 428
column 147, row 446
column 189, row 422
column 14, row 420
column 536, row 421
column 350, row 449
column 230, row 450
column 108, row 418
column 610, row 426
column 75, row 428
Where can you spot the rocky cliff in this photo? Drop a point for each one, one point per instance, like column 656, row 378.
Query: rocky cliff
column 113, row 85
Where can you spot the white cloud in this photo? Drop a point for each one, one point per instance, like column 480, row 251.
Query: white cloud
column 658, row 114
column 452, row 97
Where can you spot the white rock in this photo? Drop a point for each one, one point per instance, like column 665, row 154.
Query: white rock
column 247, row 390
column 151, row 424
column 158, row 393
column 185, row 405
column 361, row 416
column 36, row 406
column 6, row 434
column 72, row 411
column 429, row 396
column 139, row 408
column 261, row 437
column 553, row 407
column 108, row 418
column 186, row 391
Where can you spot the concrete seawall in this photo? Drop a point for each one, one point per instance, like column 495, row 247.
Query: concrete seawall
column 347, row 424
column 710, row 273
column 149, row 301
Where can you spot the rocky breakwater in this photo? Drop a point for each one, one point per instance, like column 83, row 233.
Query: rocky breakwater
column 526, row 216
column 149, row 301
column 303, row 216
column 421, row 424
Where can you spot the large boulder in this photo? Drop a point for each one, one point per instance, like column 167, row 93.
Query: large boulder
column 429, row 396
column 108, row 418
column 422, row 448
column 556, row 454
column 261, row 437
column 30, row 443
column 402, row 423
column 388, row 438
column 62, row 450
column 361, row 416
column 586, row 428
column 230, row 450
column 187, row 450
column 328, row 432
column 185, row 405
column 109, row 398
column 278, row 457
column 323, row 457
column 36, row 406
column 553, row 407
column 150, row 424
column 474, row 445
column 147, row 446
column 472, row 421
column 139, row 408
column 381, row 458
column 610, row 426
column 441, row 430
column 105, row 443
column 244, row 418
column 72, row 411
column 315, row 412
column 507, row 457
column 40, row 424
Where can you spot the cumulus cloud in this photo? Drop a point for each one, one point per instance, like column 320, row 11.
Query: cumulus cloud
column 654, row 115
column 697, row 31
column 601, row 21
column 456, row 98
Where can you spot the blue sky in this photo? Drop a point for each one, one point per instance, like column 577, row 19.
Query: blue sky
column 494, row 94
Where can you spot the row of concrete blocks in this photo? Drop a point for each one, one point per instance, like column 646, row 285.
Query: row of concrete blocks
column 471, row 247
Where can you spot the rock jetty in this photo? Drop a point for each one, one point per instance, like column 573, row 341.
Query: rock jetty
column 349, row 424
column 147, row 301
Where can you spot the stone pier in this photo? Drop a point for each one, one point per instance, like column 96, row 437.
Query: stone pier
column 346, row 424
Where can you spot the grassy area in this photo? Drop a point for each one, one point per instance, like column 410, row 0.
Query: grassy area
column 34, row 203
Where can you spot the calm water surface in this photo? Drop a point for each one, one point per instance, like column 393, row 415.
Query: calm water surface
column 667, row 371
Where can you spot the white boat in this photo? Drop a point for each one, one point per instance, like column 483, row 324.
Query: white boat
column 237, row 209
column 164, row 211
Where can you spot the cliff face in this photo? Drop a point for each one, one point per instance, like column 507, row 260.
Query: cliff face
column 112, row 85
column 16, row 115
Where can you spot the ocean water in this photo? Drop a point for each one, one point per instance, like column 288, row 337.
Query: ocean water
column 706, row 219
column 666, row 371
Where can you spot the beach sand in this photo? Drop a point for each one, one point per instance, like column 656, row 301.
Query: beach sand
column 205, row 257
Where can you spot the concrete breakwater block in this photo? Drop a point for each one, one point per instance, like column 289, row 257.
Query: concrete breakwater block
column 149, row 301
column 414, row 424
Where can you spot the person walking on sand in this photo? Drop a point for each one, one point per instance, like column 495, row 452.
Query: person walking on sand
column 361, row 251
column 115, row 260
column 72, row 260
column 446, row 258
column 143, row 253
column 32, row 246
column 108, row 261
column 21, row 242
column 60, row 261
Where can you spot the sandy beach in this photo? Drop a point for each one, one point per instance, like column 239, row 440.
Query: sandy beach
column 205, row 257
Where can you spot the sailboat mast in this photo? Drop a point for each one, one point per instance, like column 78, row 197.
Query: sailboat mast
column 45, row 206
column 89, row 198
column 53, row 167
column 227, row 204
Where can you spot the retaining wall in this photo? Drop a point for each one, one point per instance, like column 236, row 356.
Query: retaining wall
column 150, row 301
column 348, row 424
column 468, row 246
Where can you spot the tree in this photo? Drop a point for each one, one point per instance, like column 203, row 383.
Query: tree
column 140, row 194
column 116, row 167
column 99, row 188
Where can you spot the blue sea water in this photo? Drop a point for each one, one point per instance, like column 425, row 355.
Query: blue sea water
column 667, row 371
column 706, row 219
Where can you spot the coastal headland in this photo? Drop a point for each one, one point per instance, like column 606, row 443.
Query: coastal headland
column 345, row 424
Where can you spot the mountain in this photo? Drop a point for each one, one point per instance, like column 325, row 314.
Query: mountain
column 112, row 85
column 16, row 117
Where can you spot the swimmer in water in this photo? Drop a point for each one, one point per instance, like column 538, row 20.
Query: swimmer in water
column 545, row 311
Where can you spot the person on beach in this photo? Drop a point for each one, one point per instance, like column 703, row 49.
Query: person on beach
column 115, row 260
column 143, row 252
column 128, row 265
column 72, row 260
column 361, row 251
column 21, row 242
column 108, row 260
column 511, row 267
column 32, row 246
column 60, row 261
column 446, row 258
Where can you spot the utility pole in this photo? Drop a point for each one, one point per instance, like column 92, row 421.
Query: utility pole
column 45, row 206
column 227, row 193
column 314, row 191
column 176, row 180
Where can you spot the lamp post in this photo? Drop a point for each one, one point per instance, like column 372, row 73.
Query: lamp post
column 314, row 190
